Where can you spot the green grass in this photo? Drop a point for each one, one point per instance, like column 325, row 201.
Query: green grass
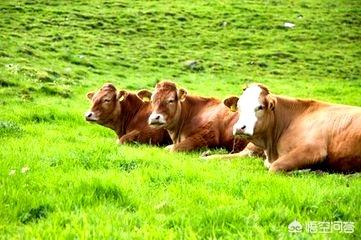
column 82, row 185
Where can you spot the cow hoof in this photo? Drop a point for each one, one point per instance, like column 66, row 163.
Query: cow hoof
column 206, row 154
column 267, row 164
column 277, row 167
column 170, row 148
column 274, row 168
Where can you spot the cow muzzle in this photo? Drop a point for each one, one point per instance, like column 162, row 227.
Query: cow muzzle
column 90, row 116
column 241, row 131
column 238, row 130
column 156, row 120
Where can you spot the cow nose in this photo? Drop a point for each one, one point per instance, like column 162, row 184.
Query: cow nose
column 239, row 130
column 156, row 119
column 88, row 114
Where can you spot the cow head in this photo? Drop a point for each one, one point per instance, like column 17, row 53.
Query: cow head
column 166, row 104
column 105, row 102
column 254, row 107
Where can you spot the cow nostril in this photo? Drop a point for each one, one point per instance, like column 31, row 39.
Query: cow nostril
column 89, row 114
column 243, row 128
column 157, row 117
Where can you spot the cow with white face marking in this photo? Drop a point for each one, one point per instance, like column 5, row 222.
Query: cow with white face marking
column 251, row 107
column 299, row 134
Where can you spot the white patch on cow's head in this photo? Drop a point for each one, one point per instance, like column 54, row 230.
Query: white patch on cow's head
column 248, row 105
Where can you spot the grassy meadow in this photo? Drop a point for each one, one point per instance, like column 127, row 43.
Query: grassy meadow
column 63, row 178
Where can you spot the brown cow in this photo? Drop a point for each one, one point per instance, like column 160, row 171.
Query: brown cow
column 126, row 114
column 193, row 122
column 299, row 134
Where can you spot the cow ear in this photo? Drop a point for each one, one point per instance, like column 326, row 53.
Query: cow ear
column 182, row 93
column 122, row 95
column 231, row 102
column 271, row 103
column 144, row 95
column 90, row 95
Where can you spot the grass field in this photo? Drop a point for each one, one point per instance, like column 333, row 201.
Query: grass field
column 62, row 178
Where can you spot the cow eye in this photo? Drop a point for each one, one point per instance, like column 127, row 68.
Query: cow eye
column 260, row 107
column 171, row 101
column 106, row 100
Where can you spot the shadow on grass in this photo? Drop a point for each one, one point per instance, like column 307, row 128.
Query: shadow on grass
column 35, row 214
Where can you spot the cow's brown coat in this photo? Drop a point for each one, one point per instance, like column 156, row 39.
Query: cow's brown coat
column 126, row 114
column 299, row 134
column 194, row 122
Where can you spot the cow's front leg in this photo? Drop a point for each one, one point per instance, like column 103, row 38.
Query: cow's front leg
column 194, row 142
column 300, row 158
column 130, row 137
column 230, row 156
column 250, row 150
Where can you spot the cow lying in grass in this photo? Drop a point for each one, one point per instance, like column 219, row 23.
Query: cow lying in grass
column 193, row 122
column 299, row 134
column 126, row 114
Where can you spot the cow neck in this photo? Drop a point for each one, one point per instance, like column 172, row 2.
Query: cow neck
column 189, row 109
column 128, row 108
column 286, row 111
column 176, row 129
column 184, row 116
